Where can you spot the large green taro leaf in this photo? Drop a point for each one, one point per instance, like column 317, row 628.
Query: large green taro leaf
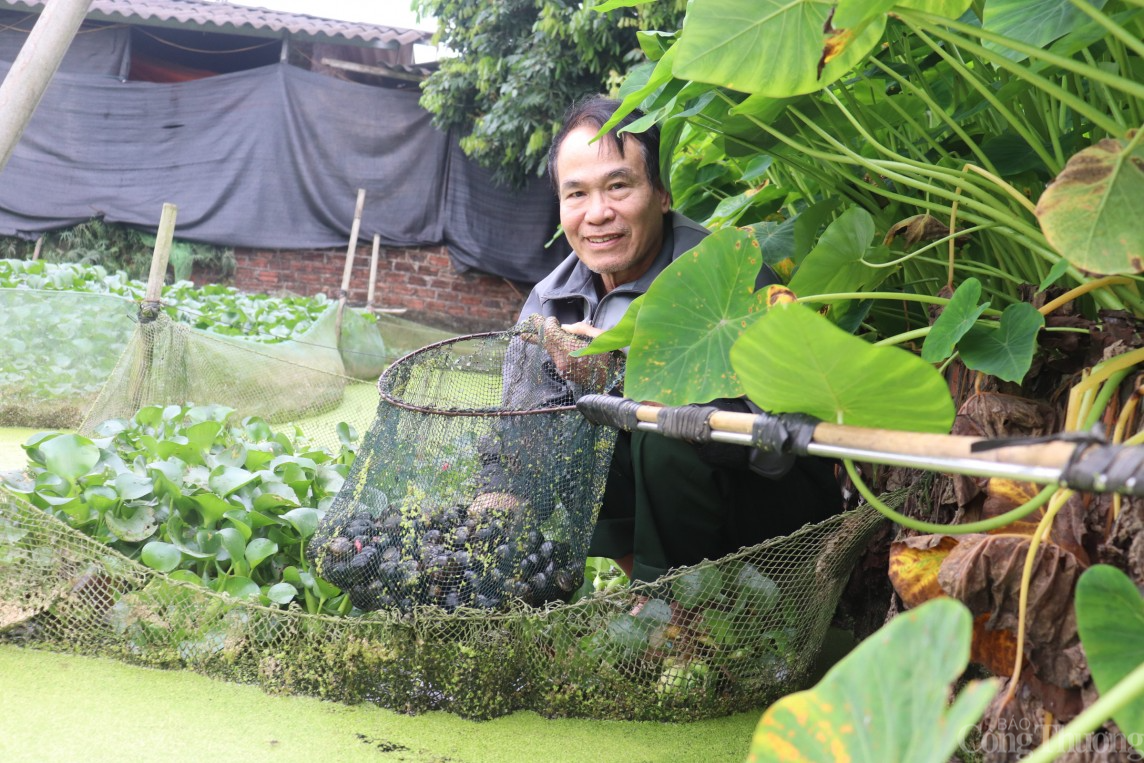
column 836, row 264
column 769, row 47
column 794, row 360
column 689, row 318
column 888, row 700
column 1091, row 212
column 1110, row 620
column 1034, row 22
column 851, row 13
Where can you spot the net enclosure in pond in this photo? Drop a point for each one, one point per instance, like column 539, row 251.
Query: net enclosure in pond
column 720, row 637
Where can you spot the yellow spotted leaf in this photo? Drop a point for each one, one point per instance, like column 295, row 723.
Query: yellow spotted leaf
column 888, row 700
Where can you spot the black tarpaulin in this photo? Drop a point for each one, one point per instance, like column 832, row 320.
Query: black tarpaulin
column 268, row 158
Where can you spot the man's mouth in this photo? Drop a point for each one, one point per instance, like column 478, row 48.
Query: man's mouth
column 603, row 239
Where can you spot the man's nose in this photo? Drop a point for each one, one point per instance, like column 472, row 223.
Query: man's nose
column 599, row 208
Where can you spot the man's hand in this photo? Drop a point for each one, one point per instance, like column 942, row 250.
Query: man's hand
column 559, row 340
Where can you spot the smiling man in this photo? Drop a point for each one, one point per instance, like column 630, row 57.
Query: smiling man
column 667, row 503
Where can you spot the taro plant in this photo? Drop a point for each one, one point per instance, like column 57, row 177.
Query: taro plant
column 192, row 492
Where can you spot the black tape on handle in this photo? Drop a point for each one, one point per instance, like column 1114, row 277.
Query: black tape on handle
column 615, row 412
column 687, row 423
column 788, row 433
column 1106, row 468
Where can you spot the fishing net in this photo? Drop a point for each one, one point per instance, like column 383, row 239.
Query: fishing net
column 720, row 637
column 82, row 358
column 478, row 482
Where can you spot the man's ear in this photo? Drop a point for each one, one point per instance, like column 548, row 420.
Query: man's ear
column 664, row 200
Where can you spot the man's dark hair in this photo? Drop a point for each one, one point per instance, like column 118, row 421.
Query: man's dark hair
column 595, row 112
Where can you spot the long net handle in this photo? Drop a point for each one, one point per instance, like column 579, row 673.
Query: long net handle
column 1079, row 462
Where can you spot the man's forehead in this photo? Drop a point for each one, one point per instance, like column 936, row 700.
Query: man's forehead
column 610, row 162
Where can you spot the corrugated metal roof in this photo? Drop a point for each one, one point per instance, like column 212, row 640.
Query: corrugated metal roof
column 240, row 19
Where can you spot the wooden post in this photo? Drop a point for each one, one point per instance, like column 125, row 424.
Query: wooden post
column 344, row 292
column 373, row 272
column 149, row 311
column 39, row 247
column 34, row 67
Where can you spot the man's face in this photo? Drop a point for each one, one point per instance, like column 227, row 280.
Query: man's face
column 611, row 213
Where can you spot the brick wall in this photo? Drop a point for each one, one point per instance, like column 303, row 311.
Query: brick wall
column 421, row 280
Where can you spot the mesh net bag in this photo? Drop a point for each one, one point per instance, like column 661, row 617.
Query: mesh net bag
column 477, row 484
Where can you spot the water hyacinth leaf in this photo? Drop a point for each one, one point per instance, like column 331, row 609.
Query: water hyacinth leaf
column 691, row 315
column 955, row 320
column 697, row 586
column 68, row 455
column 234, row 545
column 100, row 497
column 176, row 448
column 1006, row 351
column 324, row 589
column 303, row 520
column 132, row 523
column 875, row 706
column 347, row 435
column 257, row 460
column 202, row 435
column 259, row 550
column 274, row 496
column 1110, row 620
column 769, row 47
column 211, row 507
column 240, row 520
column 161, row 556
column 756, row 589
column 281, row 593
column 794, row 360
column 722, row 626
column 1090, row 213
column 1033, row 22
column 132, row 486
column 225, row 480
column 241, row 588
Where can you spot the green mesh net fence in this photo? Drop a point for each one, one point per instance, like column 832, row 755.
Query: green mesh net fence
column 716, row 638
column 469, row 503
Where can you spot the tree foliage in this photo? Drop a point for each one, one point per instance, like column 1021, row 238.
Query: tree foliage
column 521, row 63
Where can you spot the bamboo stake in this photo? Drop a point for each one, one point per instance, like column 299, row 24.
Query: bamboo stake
column 159, row 257
column 344, row 291
column 34, row 67
column 373, row 272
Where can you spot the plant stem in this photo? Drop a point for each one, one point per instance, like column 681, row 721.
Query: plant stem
column 1093, row 717
column 1084, row 288
column 1093, row 73
column 1114, row 29
column 983, row 89
column 935, row 110
column 969, row 528
column 1059, row 499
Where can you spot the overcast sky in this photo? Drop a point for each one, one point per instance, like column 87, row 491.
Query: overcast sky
column 389, row 12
